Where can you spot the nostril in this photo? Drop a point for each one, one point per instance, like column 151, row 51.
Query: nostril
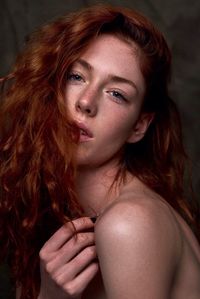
column 86, row 107
column 88, row 110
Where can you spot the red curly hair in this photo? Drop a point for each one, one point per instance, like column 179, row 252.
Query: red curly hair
column 37, row 146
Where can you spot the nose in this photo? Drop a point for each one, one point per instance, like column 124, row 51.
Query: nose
column 87, row 103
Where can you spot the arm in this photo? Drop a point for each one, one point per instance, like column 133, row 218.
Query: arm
column 137, row 251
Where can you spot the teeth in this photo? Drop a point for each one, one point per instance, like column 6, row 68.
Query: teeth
column 82, row 132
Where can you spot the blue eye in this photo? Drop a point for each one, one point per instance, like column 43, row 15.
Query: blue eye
column 74, row 77
column 119, row 97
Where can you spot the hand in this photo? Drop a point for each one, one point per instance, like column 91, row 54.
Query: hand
column 67, row 261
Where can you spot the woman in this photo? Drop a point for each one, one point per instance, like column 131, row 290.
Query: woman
column 88, row 129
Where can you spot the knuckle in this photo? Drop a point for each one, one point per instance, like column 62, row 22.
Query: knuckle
column 49, row 268
column 84, row 221
column 63, row 251
column 85, row 238
column 91, row 251
column 69, row 227
column 86, row 255
column 81, row 222
column 71, row 289
column 42, row 254
column 45, row 256
column 58, row 280
column 82, row 237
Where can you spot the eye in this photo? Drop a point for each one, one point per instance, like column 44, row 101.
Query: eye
column 74, row 77
column 118, row 96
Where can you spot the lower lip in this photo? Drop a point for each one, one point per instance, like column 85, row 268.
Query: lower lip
column 84, row 138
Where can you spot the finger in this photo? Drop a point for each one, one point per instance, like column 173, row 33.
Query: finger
column 70, row 270
column 70, row 249
column 63, row 234
column 79, row 284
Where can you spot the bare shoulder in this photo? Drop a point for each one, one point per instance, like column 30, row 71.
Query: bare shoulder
column 139, row 226
column 142, row 242
column 142, row 215
column 141, row 234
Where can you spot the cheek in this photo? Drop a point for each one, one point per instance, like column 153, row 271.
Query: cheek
column 70, row 98
column 123, row 123
column 118, row 131
column 72, row 92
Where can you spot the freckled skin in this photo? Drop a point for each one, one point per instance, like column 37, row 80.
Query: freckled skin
column 112, row 119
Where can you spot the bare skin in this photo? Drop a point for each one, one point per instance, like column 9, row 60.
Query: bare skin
column 145, row 250
column 67, row 261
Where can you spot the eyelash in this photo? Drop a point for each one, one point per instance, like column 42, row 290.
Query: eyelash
column 74, row 77
column 118, row 96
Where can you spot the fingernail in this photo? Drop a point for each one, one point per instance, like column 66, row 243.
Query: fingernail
column 93, row 219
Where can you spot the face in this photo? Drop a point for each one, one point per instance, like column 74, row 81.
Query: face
column 104, row 95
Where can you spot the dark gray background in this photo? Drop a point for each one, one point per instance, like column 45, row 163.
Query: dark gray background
column 179, row 20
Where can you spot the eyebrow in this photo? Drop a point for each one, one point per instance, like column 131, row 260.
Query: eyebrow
column 113, row 78
column 85, row 64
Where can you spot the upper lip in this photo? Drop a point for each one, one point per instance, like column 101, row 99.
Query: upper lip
column 83, row 127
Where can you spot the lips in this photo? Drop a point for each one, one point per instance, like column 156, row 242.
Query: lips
column 85, row 133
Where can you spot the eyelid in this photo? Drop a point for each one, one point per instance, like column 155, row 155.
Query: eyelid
column 77, row 69
column 121, row 99
column 123, row 93
column 75, row 73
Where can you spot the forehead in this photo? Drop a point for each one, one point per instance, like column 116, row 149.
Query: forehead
column 113, row 43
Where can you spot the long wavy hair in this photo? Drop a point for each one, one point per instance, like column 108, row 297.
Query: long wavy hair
column 37, row 145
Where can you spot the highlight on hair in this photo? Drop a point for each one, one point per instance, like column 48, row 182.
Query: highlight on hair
column 37, row 137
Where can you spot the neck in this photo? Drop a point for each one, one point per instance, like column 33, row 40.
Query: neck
column 94, row 188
